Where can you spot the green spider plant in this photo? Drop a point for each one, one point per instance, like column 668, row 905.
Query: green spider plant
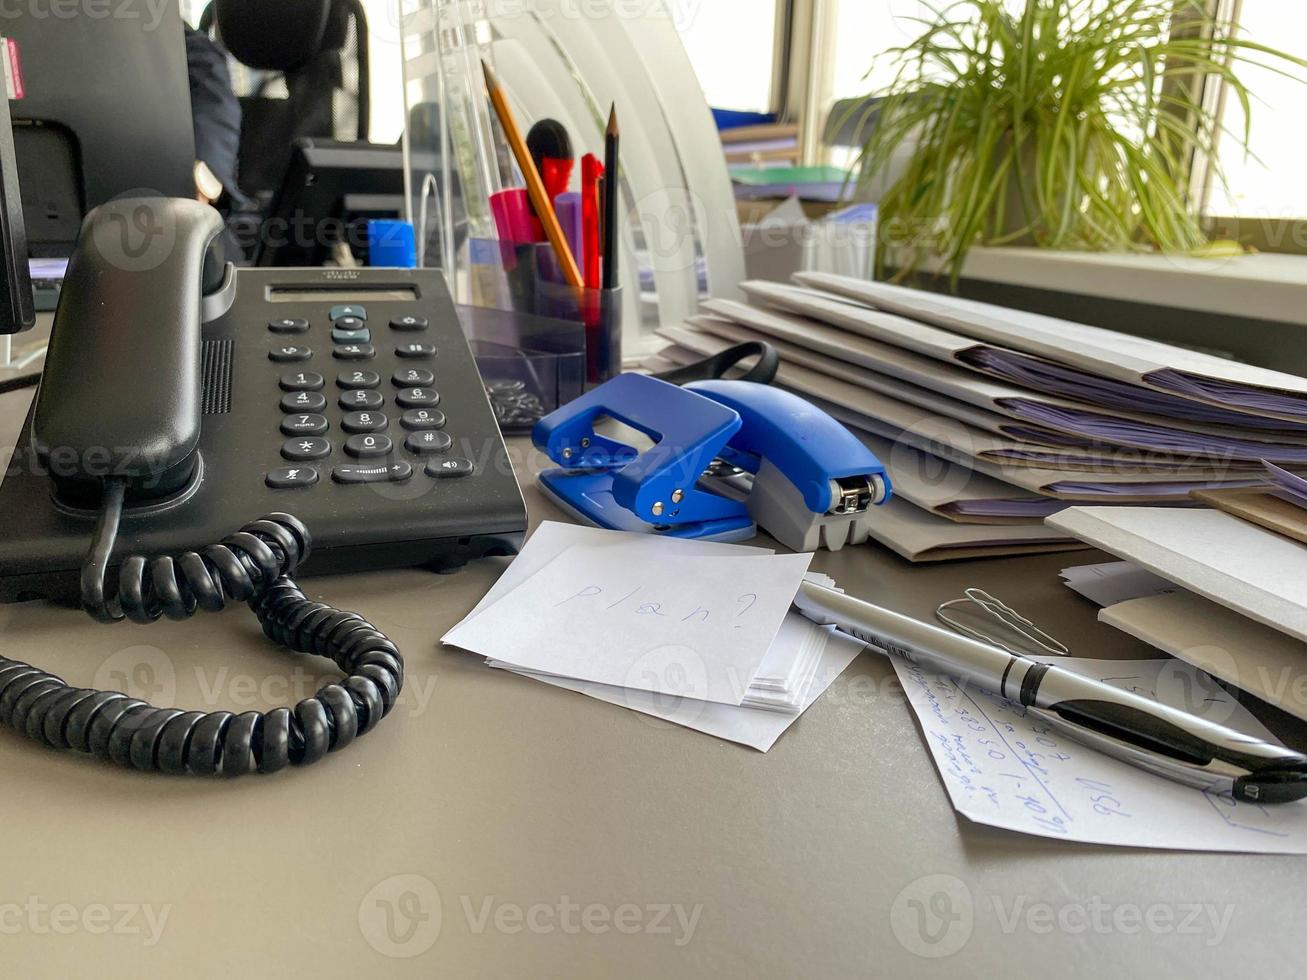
column 1071, row 124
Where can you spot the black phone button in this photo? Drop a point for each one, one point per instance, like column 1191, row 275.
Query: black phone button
column 302, row 401
column 427, row 443
column 348, row 323
column 290, row 477
column 364, row 422
column 360, row 399
column 380, row 473
column 298, row 450
column 302, row 381
column 408, row 377
column 408, row 323
column 304, row 425
column 415, row 351
column 418, row 397
column 450, row 466
column 358, row 379
column 368, row 446
column 422, row 418
column 354, row 352
column 289, row 324
column 284, row 354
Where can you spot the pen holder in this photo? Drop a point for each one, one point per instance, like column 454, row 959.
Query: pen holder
column 529, row 364
column 526, row 278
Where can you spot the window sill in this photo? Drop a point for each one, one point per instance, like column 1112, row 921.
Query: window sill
column 1263, row 287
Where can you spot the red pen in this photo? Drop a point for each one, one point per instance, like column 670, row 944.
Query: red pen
column 591, row 171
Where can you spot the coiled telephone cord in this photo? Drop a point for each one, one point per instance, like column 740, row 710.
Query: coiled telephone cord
column 255, row 565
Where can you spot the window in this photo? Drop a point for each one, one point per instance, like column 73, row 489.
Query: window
column 1268, row 184
column 731, row 44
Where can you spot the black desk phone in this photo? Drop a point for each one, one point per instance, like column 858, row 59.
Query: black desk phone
column 183, row 397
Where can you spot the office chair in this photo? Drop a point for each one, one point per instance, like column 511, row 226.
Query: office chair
column 305, row 74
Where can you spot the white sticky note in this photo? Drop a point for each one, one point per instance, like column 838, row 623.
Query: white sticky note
column 552, row 538
column 755, row 728
column 633, row 619
column 1004, row 768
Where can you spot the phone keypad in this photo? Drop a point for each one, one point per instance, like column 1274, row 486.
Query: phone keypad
column 368, row 453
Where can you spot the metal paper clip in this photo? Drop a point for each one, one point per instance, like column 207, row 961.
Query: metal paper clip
column 1006, row 615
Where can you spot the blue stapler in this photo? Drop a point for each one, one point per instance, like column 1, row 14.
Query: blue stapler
column 726, row 457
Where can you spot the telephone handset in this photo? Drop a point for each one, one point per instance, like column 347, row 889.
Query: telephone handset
column 177, row 400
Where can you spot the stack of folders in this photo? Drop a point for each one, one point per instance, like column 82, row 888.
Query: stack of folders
column 1221, row 588
column 990, row 420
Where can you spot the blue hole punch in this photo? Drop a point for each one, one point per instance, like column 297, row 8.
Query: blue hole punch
column 727, row 457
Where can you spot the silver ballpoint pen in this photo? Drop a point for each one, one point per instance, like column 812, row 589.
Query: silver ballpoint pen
column 1125, row 725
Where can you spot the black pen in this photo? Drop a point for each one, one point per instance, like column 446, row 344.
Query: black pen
column 1122, row 724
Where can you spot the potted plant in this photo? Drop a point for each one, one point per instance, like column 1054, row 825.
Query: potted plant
column 1066, row 124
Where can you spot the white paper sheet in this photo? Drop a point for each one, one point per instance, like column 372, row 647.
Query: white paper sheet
column 631, row 616
column 1110, row 582
column 551, row 538
column 1006, row 770
column 748, row 726
column 789, row 656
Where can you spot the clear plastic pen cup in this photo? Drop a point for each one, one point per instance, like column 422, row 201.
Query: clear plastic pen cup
column 526, row 278
column 538, row 342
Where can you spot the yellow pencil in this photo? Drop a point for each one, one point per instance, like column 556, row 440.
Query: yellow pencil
column 535, row 187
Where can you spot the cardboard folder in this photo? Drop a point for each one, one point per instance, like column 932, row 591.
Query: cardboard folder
column 1231, row 647
column 1261, row 507
column 1243, row 567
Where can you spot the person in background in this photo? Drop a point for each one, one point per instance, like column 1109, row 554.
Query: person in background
column 216, row 117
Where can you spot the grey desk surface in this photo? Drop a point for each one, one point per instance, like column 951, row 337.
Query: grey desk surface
column 494, row 826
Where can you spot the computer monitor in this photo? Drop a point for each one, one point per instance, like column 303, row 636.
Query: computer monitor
column 16, row 310
column 330, row 191
column 103, row 109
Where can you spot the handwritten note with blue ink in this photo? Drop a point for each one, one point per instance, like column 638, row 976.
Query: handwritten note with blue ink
column 632, row 616
column 1008, row 770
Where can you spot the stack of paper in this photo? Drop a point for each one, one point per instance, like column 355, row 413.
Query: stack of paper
column 1017, row 415
column 697, row 633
